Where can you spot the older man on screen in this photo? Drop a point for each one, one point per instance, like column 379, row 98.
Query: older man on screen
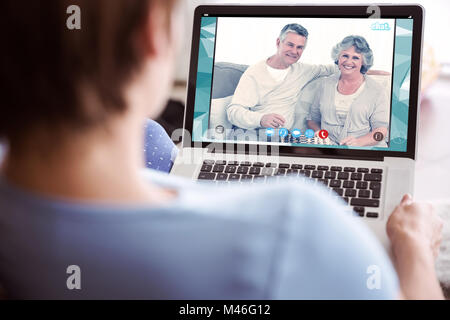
column 268, row 91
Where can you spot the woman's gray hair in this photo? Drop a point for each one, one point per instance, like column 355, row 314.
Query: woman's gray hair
column 361, row 46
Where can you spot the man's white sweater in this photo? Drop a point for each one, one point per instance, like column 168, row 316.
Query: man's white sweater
column 258, row 93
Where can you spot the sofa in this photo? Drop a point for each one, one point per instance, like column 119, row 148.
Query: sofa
column 226, row 79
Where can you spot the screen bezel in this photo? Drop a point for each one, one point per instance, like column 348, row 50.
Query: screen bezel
column 386, row 11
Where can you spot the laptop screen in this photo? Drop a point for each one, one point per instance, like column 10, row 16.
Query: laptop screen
column 341, row 83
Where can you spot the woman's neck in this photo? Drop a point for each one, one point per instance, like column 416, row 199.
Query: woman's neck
column 95, row 166
column 349, row 84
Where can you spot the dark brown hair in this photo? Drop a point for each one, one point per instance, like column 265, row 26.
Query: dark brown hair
column 45, row 67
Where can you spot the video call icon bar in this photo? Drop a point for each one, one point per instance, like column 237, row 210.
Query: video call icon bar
column 283, row 135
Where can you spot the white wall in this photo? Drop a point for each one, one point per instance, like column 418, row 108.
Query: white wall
column 437, row 24
column 249, row 40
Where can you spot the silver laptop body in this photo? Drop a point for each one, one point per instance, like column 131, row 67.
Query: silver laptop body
column 213, row 156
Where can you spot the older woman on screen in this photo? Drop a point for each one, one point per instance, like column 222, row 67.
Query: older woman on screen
column 352, row 107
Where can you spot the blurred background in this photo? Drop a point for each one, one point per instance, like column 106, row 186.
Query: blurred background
column 436, row 24
column 432, row 170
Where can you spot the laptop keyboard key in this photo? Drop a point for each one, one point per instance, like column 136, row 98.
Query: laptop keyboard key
column 359, row 211
column 233, row 163
column 323, row 168
column 222, row 177
column 372, row 177
column 365, row 202
column 376, row 194
column 254, row 170
column 357, row 176
column 234, row 177
column 206, row 176
column 242, row 170
column 335, row 183
column 372, row 215
column 230, row 169
column 246, row 164
column 246, row 177
column 218, row 168
column 284, row 166
column 206, row 168
column 221, row 162
column 258, row 164
column 210, row 162
column 310, row 167
column 375, row 186
column 349, row 169
column 349, row 184
column 343, row 175
column 296, row 166
column 306, row 173
column 376, row 171
column 317, row 174
column 364, row 194
column 339, row 191
column 362, row 185
column 330, row 175
column 350, row 193
column 336, row 168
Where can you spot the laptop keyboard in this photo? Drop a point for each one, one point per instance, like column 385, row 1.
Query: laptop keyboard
column 359, row 187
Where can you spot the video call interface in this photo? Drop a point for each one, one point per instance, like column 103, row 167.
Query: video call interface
column 302, row 81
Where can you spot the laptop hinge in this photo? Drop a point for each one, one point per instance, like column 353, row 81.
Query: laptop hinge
column 213, row 150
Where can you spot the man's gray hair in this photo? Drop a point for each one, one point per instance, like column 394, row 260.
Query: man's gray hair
column 361, row 46
column 295, row 28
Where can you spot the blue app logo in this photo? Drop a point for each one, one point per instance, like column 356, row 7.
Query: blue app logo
column 270, row 132
column 380, row 26
column 296, row 133
column 309, row 133
column 283, row 133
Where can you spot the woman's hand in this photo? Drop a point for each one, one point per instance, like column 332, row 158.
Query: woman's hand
column 416, row 224
column 415, row 233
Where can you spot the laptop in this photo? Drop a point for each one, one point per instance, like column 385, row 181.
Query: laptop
column 336, row 105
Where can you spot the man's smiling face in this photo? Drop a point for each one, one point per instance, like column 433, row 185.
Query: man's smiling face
column 291, row 48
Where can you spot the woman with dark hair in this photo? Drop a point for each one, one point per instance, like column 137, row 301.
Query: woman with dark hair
column 350, row 106
column 80, row 218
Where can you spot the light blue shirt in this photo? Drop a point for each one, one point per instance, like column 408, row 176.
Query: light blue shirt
column 284, row 241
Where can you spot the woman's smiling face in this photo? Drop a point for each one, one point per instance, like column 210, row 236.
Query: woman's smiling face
column 350, row 61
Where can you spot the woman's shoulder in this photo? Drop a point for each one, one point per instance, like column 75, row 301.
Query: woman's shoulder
column 329, row 80
column 373, row 84
column 324, row 83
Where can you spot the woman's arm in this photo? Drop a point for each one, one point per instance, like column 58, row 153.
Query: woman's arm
column 314, row 117
column 379, row 119
column 364, row 141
